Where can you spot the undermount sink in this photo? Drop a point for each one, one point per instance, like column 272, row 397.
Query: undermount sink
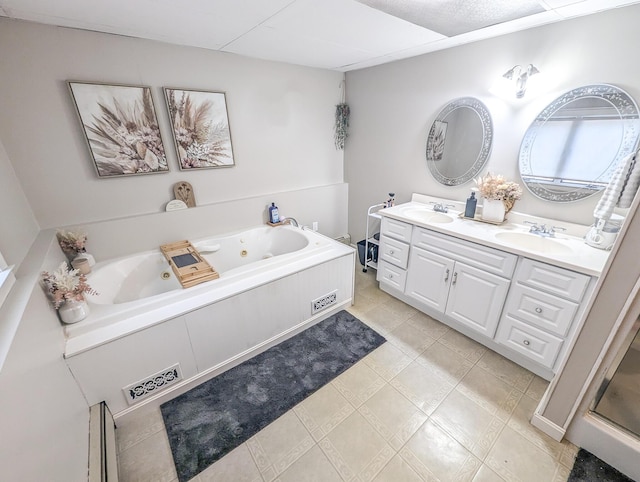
column 534, row 242
column 427, row 216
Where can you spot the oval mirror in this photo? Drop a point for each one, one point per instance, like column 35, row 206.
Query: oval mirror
column 459, row 141
column 573, row 146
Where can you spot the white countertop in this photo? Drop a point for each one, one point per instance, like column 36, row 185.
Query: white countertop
column 566, row 249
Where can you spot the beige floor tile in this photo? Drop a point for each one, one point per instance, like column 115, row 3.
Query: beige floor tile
column 520, row 422
column 236, row 466
column 515, row 458
column 469, row 423
column 358, row 383
column 485, row 474
column 446, row 362
column 382, row 319
column 130, row 431
column 356, row 449
column 373, row 295
column 569, row 453
column 400, row 308
column 562, row 474
column 431, row 327
column 536, row 388
column 323, row 410
column 393, row 416
column 425, row 388
column 148, row 460
column 490, row 392
column 411, row 340
column 506, row 370
column 387, row 360
column 434, row 454
column 279, row 445
column 313, row 466
column 462, row 345
column 397, row 470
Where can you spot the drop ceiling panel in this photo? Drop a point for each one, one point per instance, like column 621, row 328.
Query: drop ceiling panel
column 348, row 22
column 272, row 44
column 455, row 17
column 211, row 23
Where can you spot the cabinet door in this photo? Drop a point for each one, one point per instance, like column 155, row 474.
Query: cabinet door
column 476, row 298
column 428, row 278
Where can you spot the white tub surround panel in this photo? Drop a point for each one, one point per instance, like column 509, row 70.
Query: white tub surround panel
column 518, row 294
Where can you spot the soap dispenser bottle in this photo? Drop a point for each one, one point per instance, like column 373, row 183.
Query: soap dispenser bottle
column 470, row 208
column 274, row 217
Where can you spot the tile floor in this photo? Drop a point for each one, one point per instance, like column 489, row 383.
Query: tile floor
column 430, row 404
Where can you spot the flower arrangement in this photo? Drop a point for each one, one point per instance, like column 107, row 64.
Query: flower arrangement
column 72, row 243
column 64, row 284
column 498, row 188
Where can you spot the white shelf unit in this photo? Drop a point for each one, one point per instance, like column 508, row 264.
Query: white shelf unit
column 373, row 223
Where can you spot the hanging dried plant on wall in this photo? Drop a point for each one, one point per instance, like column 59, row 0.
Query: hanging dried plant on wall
column 121, row 128
column 342, row 123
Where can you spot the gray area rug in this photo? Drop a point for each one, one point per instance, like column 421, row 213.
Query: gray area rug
column 589, row 468
column 217, row 416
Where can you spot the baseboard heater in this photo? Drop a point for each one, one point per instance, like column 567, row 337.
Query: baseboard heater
column 103, row 465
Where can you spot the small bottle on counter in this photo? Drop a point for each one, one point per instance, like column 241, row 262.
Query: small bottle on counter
column 274, row 217
column 470, row 208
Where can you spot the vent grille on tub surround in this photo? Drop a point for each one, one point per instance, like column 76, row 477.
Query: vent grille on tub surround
column 324, row 302
column 136, row 392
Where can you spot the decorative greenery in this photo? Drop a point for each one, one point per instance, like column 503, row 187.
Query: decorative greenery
column 72, row 243
column 64, row 284
column 342, row 123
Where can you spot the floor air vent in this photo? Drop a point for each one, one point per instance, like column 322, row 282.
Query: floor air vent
column 138, row 391
column 324, row 302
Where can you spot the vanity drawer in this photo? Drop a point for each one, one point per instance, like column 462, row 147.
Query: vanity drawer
column 487, row 259
column 538, row 345
column 558, row 281
column 391, row 275
column 543, row 310
column 394, row 252
column 396, row 229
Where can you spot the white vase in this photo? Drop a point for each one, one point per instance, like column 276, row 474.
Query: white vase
column 493, row 210
column 73, row 311
column 90, row 259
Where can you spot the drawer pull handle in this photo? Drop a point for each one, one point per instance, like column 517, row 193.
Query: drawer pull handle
column 391, row 251
column 455, row 278
column 538, row 310
column 446, row 277
column 526, row 342
column 390, row 276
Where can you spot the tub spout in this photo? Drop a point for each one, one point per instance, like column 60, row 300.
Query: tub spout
column 291, row 221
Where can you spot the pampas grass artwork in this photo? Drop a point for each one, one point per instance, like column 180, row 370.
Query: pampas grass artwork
column 121, row 128
column 200, row 125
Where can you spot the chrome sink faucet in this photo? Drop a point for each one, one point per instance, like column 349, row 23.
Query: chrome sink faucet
column 440, row 207
column 543, row 230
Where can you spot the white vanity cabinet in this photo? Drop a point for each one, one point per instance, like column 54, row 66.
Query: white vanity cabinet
column 463, row 280
column 393, row 253
column 540, row 311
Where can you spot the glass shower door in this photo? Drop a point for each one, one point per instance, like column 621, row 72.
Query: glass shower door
column 619, row 396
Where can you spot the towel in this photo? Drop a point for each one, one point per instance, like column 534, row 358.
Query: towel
column 620, row 191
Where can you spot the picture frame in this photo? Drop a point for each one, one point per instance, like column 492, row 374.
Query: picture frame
column 120, row 127
column 200, row 128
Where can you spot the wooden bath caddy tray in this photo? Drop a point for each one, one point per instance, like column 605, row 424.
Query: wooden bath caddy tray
column 188, row 265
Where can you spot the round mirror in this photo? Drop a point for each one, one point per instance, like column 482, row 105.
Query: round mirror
column 573, row 146
column 459, row 141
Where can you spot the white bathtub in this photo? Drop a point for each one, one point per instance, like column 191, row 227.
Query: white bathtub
column 134, row 294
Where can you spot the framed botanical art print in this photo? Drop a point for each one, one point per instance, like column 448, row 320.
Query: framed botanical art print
column 200, row 126
column 121, row 128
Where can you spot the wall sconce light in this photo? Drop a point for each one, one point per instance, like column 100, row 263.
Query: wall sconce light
column 519, row 76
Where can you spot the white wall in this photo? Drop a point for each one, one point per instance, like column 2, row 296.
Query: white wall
column 281, row 120
column 394, row 105
column 18, row 227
